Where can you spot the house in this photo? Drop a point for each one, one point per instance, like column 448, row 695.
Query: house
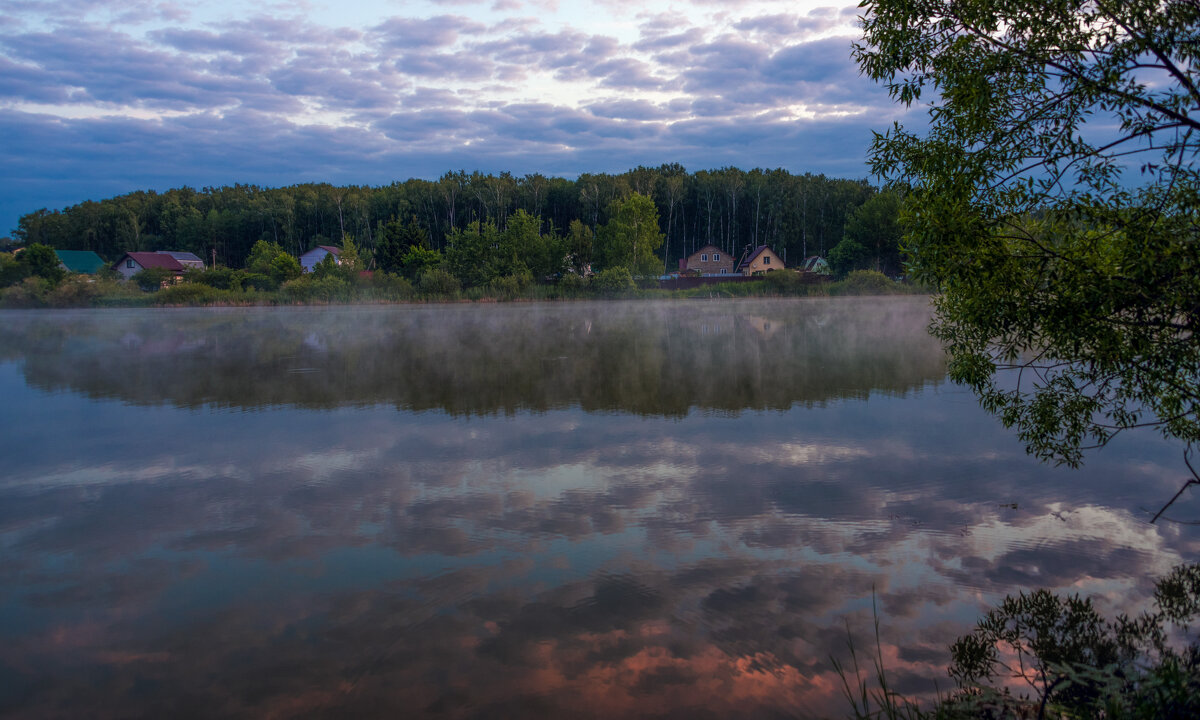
column 761, row 260
column 312, row 258
column 708, row 260
column 132, row 263
column 79, row 261
column 816, row 264
column 186, row 259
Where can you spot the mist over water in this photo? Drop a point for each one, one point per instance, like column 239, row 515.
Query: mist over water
column 534, row 510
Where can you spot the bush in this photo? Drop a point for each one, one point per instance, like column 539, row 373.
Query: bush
column 572, row 283
column 284, row 268
column 510, row 286
column 438, row 282
column 191, row 294
column 387, row 286
column 865, row 282
column 153, row 279
column 786, row 282
column 81, row 291
column 259, row 282
column 221, row 278
column 309, row 289
column 29, row 293
column 613, row 280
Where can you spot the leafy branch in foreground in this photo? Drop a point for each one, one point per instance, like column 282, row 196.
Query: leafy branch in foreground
column 1055, row 202
column 1069, row 661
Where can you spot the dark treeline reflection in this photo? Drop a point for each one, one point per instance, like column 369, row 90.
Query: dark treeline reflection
column 650, row 359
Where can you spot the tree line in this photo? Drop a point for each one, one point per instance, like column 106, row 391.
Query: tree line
column 797, row 215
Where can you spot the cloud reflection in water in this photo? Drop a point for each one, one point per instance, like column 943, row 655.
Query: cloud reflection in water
column 449, row 519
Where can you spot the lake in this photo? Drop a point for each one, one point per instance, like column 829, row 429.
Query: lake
column 621, row 509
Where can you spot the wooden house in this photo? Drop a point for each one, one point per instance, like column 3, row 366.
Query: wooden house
column 708, row 261
column 761, row 260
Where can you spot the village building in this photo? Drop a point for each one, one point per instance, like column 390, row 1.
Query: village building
column 132, row 263
column 79, row 261
column 312, row 258
column 761, row 260
column 708, row 261
column 186, row 259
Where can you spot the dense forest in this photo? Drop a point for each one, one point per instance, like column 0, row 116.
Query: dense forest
column 797, row 215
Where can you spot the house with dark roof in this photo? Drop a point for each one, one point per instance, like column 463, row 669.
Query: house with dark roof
column 761, row 260
column 312, row 258
column 132, row 263
column 186, row 259
column 708, row 261
column 79, row 261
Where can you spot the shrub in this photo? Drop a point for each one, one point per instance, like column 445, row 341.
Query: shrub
column 438, row 282
column 152, row 279
column 572, row 283
column 308, row 289
column 387, row 286
column 613, row 280
column 29, row 293
column 510, row 286
column 865, row 282
column 79, row 291
column 221, row 278
column 283, row 268
column 258, row 281
column 785, row 282
column 190, row 294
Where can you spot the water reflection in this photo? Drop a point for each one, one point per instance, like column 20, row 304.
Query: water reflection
column 512, row 552
column 659, row 359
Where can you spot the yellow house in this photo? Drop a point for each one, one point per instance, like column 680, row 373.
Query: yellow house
column 763, row 259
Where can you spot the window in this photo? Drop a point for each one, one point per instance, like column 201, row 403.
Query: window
column 716, row 257
column 766, row 259
column 722, row 271
column 704, row 257
column 129, row 263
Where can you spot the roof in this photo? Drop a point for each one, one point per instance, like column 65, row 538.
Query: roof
column 751, row 257
column 80, row 261
column 336, row 251
column 710, row 248
column 153, row 259
column 180, row 256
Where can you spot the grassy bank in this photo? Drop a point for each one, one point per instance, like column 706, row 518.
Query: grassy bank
column 83, row 291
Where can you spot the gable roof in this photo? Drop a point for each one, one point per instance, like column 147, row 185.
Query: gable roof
column 153, row 259
column 181, row 256
column 335, row 251
column 80, row 261
column 709, row 248
column 752, row 256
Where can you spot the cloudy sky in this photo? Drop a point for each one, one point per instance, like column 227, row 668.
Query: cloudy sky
column 100, row 97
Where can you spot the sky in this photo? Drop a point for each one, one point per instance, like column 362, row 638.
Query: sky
column 103, row 97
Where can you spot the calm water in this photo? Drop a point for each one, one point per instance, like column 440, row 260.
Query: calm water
column 571, row 510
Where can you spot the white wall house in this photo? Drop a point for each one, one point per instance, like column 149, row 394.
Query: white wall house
column 310, row 259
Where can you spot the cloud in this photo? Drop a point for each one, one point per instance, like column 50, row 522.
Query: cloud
column 436, row 32
column 279, row 74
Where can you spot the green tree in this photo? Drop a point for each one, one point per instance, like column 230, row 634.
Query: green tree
column 262, row 255
column 473, row 254
column 283, row 268
column 579, row 243
column 1054, row 203
column 395, row 241
column 38, row 260
column 872, row 236
column 631, row 236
